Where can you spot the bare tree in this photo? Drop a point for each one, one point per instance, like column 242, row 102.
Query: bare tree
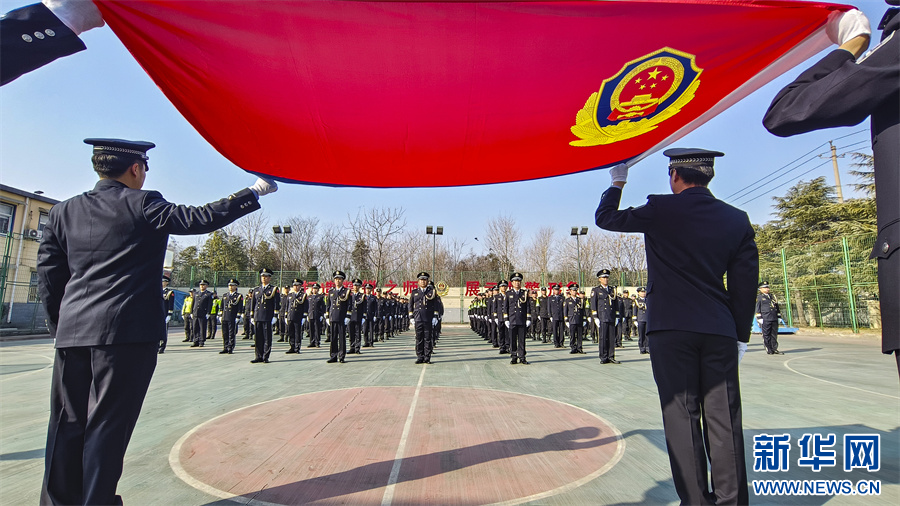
column 375, row 233
column 334, row 248
column 252, row 228
column 502, row 237
column 539, row 253
column 303, row 252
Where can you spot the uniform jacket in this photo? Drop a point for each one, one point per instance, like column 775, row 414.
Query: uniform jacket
column 232, row 305
column 543, row 303
column 573, row 311
column 168, row 299
column 625, row 307
column 203, row 302
column 339, row 304
column 298, row 306
column 640, row 309
column 422, row 304
column 285, row 304
column 603, row 303
column 358, row 306
column 767, row 307
column 266, row 303
column 316, row 305
column 22, row 51
column 838, row 91
column 693, row 240
column 371, row 312
column 555, row 306
column 100, row 256
column 248, row 306
column 515, row 307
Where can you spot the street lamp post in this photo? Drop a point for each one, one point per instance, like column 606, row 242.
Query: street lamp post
column 434, row 232
column 282, row 231
column 577, row 233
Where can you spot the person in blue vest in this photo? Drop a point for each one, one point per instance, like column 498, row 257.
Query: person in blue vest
column 695, row 359
column 110, row 242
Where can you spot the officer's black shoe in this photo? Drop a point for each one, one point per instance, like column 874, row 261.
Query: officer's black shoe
column 582, row 352
column 186, row 341
column 514, row 361
column 160, row 352
column 331, row 360
column 280, row 340
column 428, row 361
column 289, row 352
column 195, row 345
column 420, row 360
column 496, row 346
column 311, row 346
column 201, row 345
column 604, row 361
column 614, row 361
column 231, row 352
column 573, row 352
column 223, row 352
column 256, row 360
column 779, row 352
column 769, row 352
column 524, row 362
column 341, row 361
column 266, row 361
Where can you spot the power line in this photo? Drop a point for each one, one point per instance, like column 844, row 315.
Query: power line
column 763, row 194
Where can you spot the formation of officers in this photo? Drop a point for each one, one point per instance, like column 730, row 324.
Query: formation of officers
column 359, row 313
column 506, row 313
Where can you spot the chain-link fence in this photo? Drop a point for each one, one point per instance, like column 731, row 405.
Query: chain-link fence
column 21, row 311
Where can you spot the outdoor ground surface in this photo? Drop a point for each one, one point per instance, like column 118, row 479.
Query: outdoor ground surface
column 469, row 429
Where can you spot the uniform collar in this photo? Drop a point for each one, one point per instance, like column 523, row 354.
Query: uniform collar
column 109, row 183
column 696, row 190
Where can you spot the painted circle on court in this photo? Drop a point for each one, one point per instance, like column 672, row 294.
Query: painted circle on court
column 464, row 446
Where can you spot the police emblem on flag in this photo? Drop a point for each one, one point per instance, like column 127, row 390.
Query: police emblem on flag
column 646, row 92
column 442, row 288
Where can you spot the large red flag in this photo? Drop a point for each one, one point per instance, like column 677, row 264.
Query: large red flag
column 447, row 93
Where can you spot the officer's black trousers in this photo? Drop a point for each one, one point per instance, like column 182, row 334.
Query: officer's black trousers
column 355, row 336
column 188, row 329
column 369, row 331
column 557, row 331
column 700, row 395
column 338, row 339
column 199, row 325
column 315, row 331
column 423, row 340
column 248, row 327
column 295, row 333
column 607, row 341
column 503, row 336
column 262, row 334
column 213, row 326
column 96, row 393
column 229, row 332
column 642, row 337
column 545, row 329
column 576, row 336
column 164, row 340
column 770, row 335
column 517, row 335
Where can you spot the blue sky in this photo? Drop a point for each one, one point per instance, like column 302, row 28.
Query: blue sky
column 103, row 92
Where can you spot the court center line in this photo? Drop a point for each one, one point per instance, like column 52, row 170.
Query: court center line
column 401, row 448
column 786, row 362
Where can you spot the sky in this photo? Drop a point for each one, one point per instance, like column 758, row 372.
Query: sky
column 103, row 92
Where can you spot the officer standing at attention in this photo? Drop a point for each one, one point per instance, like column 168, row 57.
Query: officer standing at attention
column 298, row 305
column 543, row 302
column 316, row 316
column 370, row 316
column 626, row 309
column 186, row 312
column 555, row 306
column 357, row 310
column 339, row 300
column 423, row 314
column 502, row 328
column 695, row 360
column 640, row 313
column 200, row 313
column 232, row 307
column 573, row 312
column 248, row 315
column 169, row 301
column 266, row 303
column 215, row 315
column 107, row 344
column 603, row 308
column 767, row 314
column 516, row 318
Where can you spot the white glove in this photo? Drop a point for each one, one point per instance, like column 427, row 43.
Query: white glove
column 597, row 321
column 567, row 324
column 274, row 319
column 527, row 323
column 742, row 347
column 363, row 321
column 507, row 324
column 320, row 318
column 167, row 319
column 220, row 319
column 240, row 319
column 759, row 322
column 264, row 186
column 79, row 15
column 843, row 26
column 302, row 321
column 619, row 173
column 346, row 321
column 434, row 322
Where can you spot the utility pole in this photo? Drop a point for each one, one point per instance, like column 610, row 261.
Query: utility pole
column 837, row 175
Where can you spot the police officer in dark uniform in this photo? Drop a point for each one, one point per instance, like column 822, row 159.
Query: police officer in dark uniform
column 339, row 300
column 168, row 296
column 543, row 303
column 232, row 307
column 248, row 315
column 107, row 344
column 603, row 310
column 767, row 314
column 640, row 313
column 516, row 318
column 316, row 316
column 843, row 89
column 502, row 329
column 626, row 310
column 695, row 359
column 357, row 309
column 280, row 327
column 370, row 316
column 266, row 303
column 573, row 314
column 200, row 313
column 423, row 313
column 298, row 306
column 555, row 305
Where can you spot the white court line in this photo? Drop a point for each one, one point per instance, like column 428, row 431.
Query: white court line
column 401, row 448
column 832, row 382
column 17, row 375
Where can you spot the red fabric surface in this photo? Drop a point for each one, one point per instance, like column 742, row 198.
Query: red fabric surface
column 410, row 94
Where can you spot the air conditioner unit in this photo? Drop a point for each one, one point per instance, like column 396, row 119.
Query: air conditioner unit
column 33, row 234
